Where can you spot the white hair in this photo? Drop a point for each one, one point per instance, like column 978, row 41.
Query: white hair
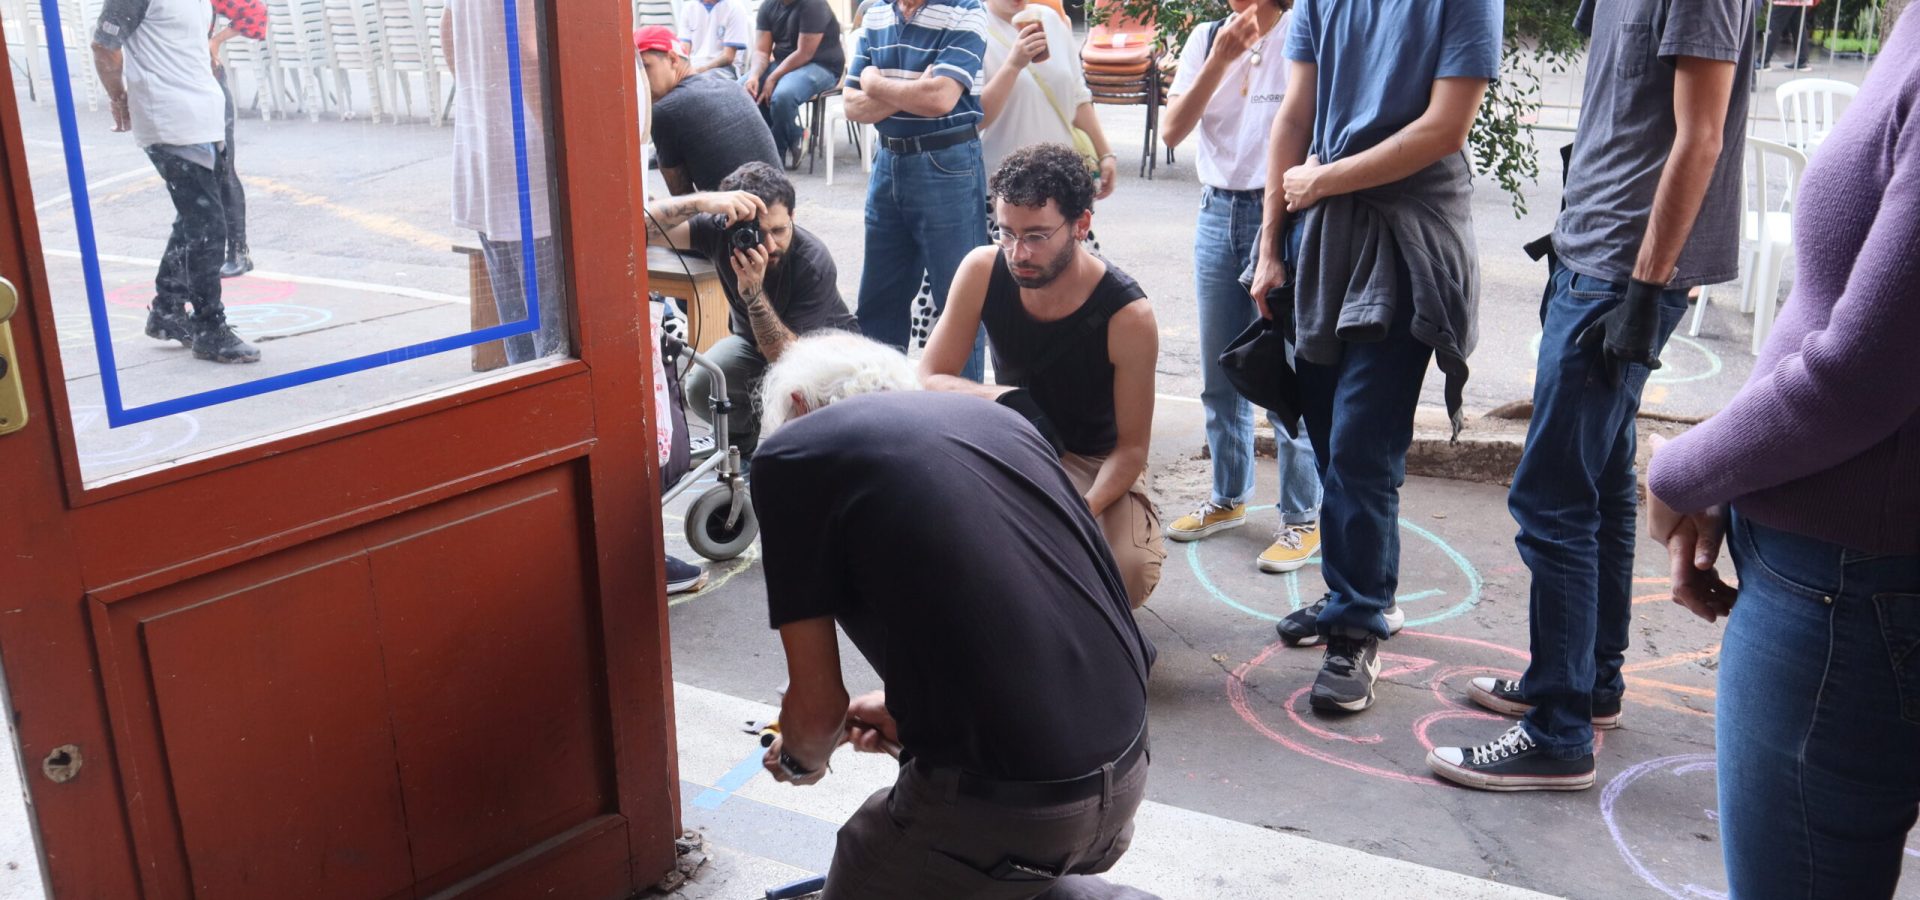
column 824, row 368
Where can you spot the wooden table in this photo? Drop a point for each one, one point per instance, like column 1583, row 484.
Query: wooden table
column 693, row 281
column 482, row 313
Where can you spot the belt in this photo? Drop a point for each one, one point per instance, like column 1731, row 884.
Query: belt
column 1066, row 790
column 1250, row 193
column 938, row 140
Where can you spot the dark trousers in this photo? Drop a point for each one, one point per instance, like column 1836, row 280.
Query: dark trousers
column 1359, row 415
column 190, row 268
column 740, row 360
column 1784, row 30
column 232, row 195
column 1574, row 497
column 923, row 838
column 506, row 269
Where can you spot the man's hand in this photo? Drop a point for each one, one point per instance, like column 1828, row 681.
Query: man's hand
column 779, row 772
column 750, row 271
column 1269, row 273
column 1031, row 45
column 1109, row 175
column 752, row 85
column 869, row 77
column 733, row 206
column 870, row 728
column 766, row 93
column 1303, row 186
column 122, row 116
column 1630, row 332
column 1236, row 37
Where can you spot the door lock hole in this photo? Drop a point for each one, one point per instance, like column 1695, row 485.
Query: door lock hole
column 63, row 764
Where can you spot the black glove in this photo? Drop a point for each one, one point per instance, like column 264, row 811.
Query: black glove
column 1023, row 403
column 1630, row 332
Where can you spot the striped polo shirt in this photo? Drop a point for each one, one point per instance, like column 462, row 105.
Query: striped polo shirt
column 947, row 38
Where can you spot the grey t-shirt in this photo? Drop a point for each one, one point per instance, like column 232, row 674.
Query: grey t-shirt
column 708, row 126
column 1627, row 130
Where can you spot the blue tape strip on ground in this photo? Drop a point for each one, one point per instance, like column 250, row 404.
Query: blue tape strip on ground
column 735, row 779
column 118, row 415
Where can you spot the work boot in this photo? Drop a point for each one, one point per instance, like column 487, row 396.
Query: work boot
column 1511, row 762
column 1347, row 674
column 1502, row 695
column 239, row 262
column 1301, row 628
column 219, row 344
column 1206, row 520
column 169, row 326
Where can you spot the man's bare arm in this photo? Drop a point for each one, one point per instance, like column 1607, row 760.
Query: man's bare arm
column 1287, row 144
column 1440, row 132
column 770, row 335
column 951, row 343
column 111, row 65
column 813, row 715
column 921, row 96
column 1133, row 345
column 722, row 61
column 446, row 41
column 679, row 183
column 1701, row 90
column 864, row 108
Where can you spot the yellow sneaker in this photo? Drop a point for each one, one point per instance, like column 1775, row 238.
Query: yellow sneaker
column 1206, row 520
column 1292, row 547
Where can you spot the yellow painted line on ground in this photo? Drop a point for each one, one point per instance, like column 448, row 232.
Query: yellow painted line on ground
column 290, row 278
column 378, row 223
column 740, row 564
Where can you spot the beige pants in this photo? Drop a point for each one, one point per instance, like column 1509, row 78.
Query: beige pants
column 1132, row 527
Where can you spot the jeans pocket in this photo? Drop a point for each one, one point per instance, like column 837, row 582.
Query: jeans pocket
column 1792, row 563
column 958, row 161
column 1900, row 626
column 955, row 877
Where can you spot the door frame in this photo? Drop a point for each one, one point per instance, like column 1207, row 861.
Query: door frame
column 84, row 541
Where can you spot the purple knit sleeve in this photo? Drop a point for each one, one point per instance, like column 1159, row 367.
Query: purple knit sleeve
column 1847, row 385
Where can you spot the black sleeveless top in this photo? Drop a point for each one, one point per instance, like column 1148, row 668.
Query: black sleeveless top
column 1063, row 364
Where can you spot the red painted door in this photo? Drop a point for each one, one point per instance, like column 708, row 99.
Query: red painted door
column 399, row 633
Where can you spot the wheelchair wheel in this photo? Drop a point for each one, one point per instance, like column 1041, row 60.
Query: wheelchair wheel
column 707, row 529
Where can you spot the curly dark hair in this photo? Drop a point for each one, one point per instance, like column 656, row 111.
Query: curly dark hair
column 1031, row 176
column 763, row 181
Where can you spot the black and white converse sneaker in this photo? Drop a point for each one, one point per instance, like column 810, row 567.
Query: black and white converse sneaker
column 1502, row 695
column 1345, row 683
column 1513, row 762
column 1301, row 628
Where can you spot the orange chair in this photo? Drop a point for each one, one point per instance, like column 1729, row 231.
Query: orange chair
column 1122, row 68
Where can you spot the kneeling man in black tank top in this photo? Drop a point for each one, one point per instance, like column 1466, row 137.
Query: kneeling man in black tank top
column 1074, row 346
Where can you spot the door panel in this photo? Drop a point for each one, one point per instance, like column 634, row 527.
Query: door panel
column 415, row 650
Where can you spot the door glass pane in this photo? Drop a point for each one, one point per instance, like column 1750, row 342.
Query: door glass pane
column 353, row 207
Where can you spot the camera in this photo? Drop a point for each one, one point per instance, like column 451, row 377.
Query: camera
column 745, row 235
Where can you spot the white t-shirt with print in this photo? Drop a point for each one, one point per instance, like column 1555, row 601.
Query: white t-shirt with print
column 708, row 29
column 1239, row 116
column 1029, row 117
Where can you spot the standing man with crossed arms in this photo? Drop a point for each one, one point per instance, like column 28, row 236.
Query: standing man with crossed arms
column 916, row 76
column 1658, row 149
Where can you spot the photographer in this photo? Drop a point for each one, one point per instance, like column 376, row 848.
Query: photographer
column 779, row 280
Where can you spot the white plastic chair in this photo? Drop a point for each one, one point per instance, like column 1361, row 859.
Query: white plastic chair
column 76, row 31
column 1809, row 107
column 657, row 12
column 297, row 29
column 354, row 44
column 256, row 59
column 1766, row 228
column 835, row 119
column 409, row 45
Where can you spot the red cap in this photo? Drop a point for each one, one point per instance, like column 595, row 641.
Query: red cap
column 656, row 38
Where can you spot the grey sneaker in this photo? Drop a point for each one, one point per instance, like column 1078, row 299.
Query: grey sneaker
column 1301, row 628
column 221, row 345
column 1345, row 683
column 1511, row 762
column 1502, row 695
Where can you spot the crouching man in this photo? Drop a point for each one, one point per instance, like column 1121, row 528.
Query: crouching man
column 1074, row 346
column 940, row 532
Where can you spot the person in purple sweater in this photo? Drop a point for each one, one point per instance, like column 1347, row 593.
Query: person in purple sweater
column 1818, row 459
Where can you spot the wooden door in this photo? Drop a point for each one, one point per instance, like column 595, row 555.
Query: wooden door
column 416, row 649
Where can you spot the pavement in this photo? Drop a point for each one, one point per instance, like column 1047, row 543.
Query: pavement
column 1252, row 794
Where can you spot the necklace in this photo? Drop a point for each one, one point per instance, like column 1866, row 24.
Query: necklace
column 1254, row 57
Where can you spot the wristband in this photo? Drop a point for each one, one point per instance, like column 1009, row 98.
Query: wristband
column 793, row 766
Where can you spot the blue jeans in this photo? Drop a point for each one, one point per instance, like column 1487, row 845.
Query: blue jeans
column 1818, row 723
column 1359, row 415
column 782, row 112
column 924, row 214
column 1223, row 247
column 1574, row 497
column 506, row 270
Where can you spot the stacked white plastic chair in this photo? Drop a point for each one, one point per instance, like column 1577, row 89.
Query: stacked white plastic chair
column 297, row 30
column 354, row 44
column 411, row 49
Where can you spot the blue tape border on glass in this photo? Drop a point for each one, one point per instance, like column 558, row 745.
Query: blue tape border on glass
column 118, row 416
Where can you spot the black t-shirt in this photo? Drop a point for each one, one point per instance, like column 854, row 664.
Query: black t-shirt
column 804, row 291
column 1064, row 364
column 710, row 127
column 942, row 534
column 788, row 21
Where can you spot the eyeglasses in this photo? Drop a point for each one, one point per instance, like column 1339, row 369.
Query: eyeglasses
column 1006, row 239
